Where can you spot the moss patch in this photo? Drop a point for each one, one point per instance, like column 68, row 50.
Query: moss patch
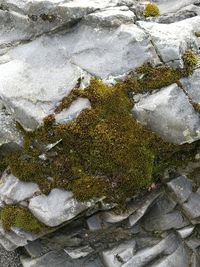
column 104, row 151
column 151, row 10
column 20, row 217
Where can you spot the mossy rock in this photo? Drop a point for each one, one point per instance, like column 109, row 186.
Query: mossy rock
column 151, row 10
column 104, row 151
column 20, row 217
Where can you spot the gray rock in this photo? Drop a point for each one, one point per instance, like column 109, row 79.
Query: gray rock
column 191, row 85
column 186, row 231
column 179, row 258
column 122, row 253
column 13, row 191
column 171, row 40
column 73, row 111
column 58, row 207
column 169, row 113
column 111, row 17
column 181, row 188
column 8, row 131
column 163, row 222
column 59, row 259
column 81, row 252
column 30, row 90
column 192, row 206
column 142, row 258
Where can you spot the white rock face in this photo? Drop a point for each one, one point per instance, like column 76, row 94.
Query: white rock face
column 180, row 122
column 8, row 131
column 192, row 85
column 73, row 111
column 171, row 40
column 12, row 190
column 58, row 207
column 36, row 76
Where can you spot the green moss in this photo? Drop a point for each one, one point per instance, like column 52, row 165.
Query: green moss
column 190, row 61
column 197, row 34
column 20, row 217
column 151, row 10
column 104, row 152
column 157, row 77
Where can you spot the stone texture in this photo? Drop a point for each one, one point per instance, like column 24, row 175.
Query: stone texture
column 58, row 207
column 181, row 187
column 180, row 123
column 171, row 40
column 13, row 191
column 191, row 85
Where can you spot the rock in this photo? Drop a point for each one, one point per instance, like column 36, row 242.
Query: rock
column 135, row 210
column 9, row 259
column 73, row 111
column 76, row 253
column 191, row 85
column 171, row 40
column 192, row 206
column 13, row 191
column 169, row 113
column 144, row 257
column 111, row 17
column 59, row 259
column 37, row 89
column 58, row 207
column 186, row 231
column 179, row 258
column 30, row 90
column 163, row 222
column 118, row 255
column 8, row 131
column 181, row 188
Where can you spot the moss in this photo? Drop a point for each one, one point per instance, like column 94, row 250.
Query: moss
column 104, row 151
column 20, row 217
column 151, row 10
column 157, row 77
column 190, row 61
column 197, row 34
column 196, row 106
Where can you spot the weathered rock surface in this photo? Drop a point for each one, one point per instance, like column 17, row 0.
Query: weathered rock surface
column 170, row 105
column 59, row 206
column 45, row 47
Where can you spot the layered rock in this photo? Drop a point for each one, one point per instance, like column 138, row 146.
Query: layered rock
column 45, row 48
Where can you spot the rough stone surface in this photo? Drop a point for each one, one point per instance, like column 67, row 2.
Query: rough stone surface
column 59, row 206
column 180, row 122
column 13, row 191
column 45, row 48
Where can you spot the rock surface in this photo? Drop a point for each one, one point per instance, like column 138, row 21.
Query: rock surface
column 45, row 48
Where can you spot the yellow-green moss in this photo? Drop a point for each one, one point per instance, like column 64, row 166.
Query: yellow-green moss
column 20, row 217
column 190, row 61
column 104, row 152
column 157, row 77
column 151, row 10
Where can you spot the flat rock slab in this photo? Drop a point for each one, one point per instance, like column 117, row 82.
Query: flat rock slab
column 180, row 122
column 58, row 207
column 13, row 191
column 171, row 40
column 191, row 85
column 181, row 188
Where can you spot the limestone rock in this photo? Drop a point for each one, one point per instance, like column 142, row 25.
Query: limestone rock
column 13, row 191
column 169, row 113
column 58, row 207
